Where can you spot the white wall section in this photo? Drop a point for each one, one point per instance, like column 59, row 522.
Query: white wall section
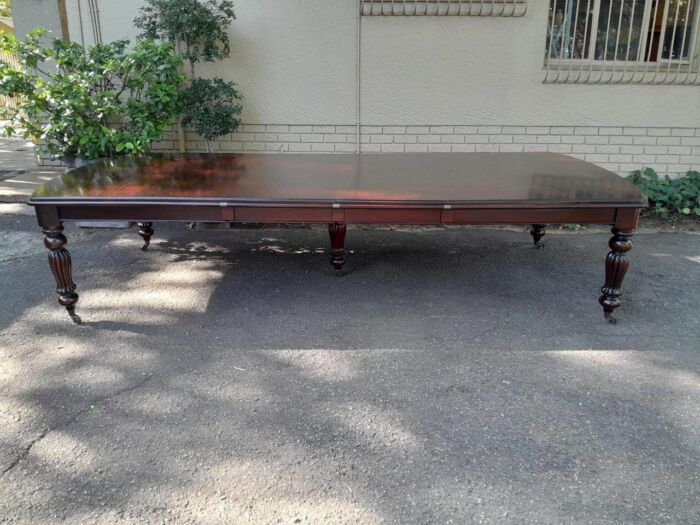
column 296, row 64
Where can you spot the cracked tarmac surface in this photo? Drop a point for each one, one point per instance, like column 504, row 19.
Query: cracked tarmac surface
column 452, row 376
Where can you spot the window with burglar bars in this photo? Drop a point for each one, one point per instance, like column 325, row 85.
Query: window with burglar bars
column 444, row 7
column 623, row 42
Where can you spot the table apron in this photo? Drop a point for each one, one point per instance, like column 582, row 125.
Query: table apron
column 48, row 214
column 531, row 216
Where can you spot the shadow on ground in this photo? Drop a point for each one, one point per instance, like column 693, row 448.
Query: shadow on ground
column 451, row 376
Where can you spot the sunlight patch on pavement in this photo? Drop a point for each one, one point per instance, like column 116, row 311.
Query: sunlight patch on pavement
column 93, row 375
column 12, row 417
column 78, row 362
column 157, row 403
column 156, row 297
column 129, row 241
column 327, row 365
column 14, row 245
column 377, row 428
column 16, row 208
column 126, row 242
column 269, row 491
column 626, row 364
column 65, row 453
column 7, row 368
column 237, row 389
column 626, row 374
column 592, row 357
column 274, row 248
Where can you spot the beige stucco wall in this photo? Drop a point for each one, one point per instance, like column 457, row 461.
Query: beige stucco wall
column 296, row 62
column 489, row 71
column 30, row 14
column 116, row 20
column 426, row 84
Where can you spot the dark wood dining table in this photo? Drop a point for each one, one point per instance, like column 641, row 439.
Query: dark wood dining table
column 340, row 189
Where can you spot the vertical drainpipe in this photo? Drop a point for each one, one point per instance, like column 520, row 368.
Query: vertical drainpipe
column 80, row 24
column 63, row 17
column 359, row 73
column 181, row 139
column 93, row 11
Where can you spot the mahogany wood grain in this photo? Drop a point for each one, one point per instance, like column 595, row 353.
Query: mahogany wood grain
column 145, row 231
column 537, row 232
column 61, row 268
column 479, row 179
column 465, row 188
column 616, row 266
column 337, row 231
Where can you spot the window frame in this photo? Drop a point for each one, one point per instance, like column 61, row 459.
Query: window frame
column 641, row 63
column 646, row 20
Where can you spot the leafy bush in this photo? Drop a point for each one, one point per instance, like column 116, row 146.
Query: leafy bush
column 198, row 27
column 90, row 102
column 209, row 106
column 666, row 195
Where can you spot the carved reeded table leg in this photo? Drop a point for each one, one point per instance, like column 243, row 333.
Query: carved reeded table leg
column 537, row 233
column 616, row 265
column 337, row 233
column 145, row 231
column 60, row 263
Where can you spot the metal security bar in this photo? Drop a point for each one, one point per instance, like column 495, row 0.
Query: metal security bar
column 5, row 101
column 443, row 7
column 11, row 60
column 623, row 42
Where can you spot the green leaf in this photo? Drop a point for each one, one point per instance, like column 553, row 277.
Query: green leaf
column 75, row 108
column 666, row 195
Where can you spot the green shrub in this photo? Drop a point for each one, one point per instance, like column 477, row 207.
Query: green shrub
column 211, row 106
column 669, row 196
column 90, row 102
column 199, row 26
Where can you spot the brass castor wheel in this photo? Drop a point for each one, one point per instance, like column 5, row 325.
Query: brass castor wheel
column 75, row 317
column 609, row 318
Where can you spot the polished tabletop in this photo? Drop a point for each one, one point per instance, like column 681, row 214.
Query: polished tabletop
column 444, row 178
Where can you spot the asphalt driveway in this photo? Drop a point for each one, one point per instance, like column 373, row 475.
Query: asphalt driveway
column 453, row 376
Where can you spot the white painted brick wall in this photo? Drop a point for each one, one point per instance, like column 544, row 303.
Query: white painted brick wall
column 672, row 151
